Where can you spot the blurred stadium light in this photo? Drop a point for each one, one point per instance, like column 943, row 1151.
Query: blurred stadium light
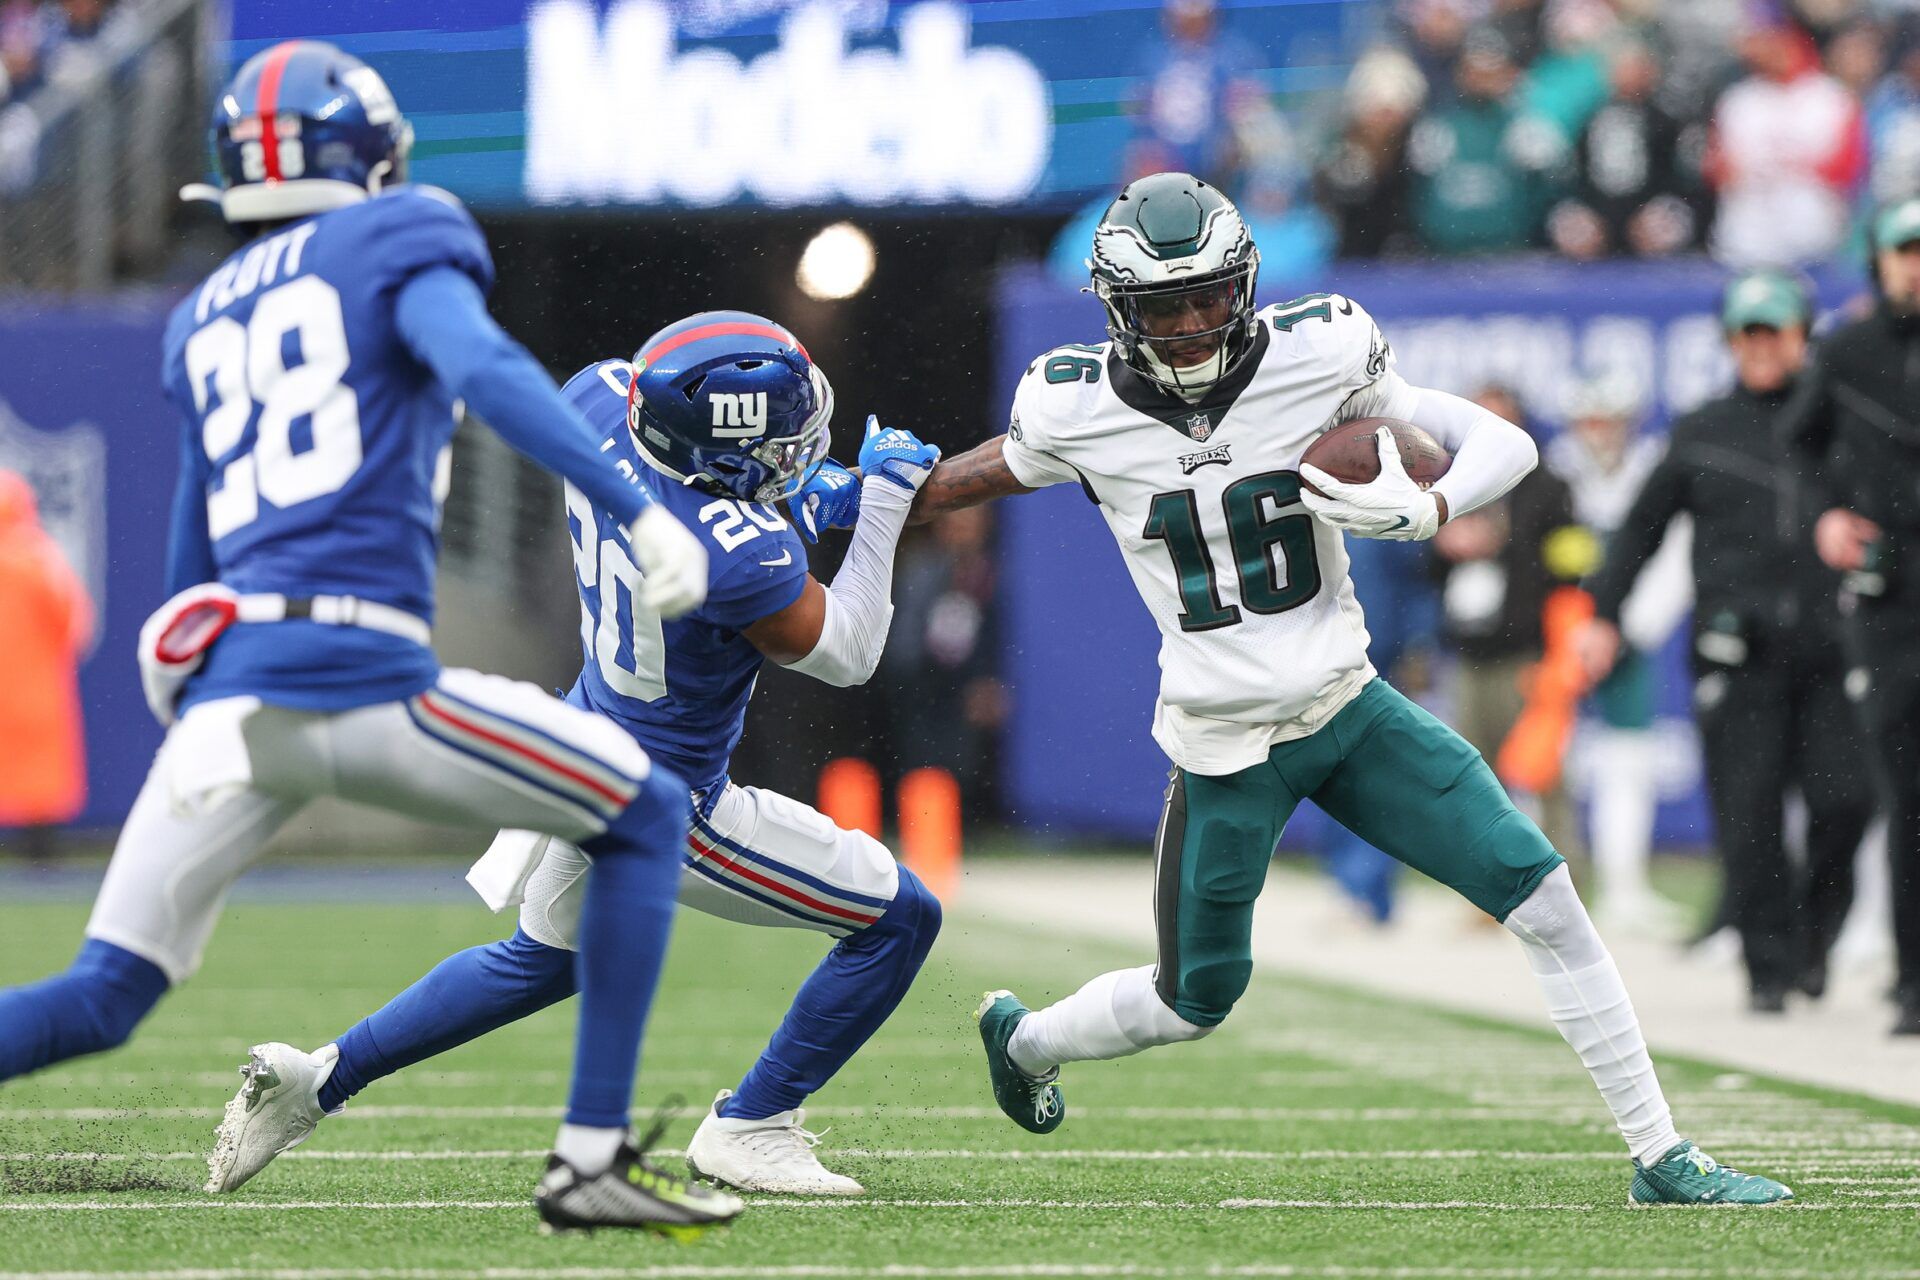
column 837, row 263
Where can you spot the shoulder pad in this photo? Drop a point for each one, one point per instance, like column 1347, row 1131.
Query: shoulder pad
column 1059, row 387
column 1336, row 329
column 414, row 228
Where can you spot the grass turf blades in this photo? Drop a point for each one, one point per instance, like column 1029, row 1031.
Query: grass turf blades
column 1323, row 1132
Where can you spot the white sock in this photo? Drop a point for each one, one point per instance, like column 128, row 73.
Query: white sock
column 1114, row 1015
column 587, row 1148
column 1589, row 1004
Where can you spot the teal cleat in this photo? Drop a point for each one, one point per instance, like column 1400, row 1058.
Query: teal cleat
column 1035, row 1105
column 1688, row 1175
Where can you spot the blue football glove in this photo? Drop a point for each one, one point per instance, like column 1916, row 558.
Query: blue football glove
column 828, row 500
column 896, row 455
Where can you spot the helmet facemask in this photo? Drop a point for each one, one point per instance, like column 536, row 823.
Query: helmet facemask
column 1185, row 334
column 778, row 467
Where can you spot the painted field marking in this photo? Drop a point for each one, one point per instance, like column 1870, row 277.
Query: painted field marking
column 799, row 1203
column 1841, row 1157
column 901, row 1271
column 1594, row 1113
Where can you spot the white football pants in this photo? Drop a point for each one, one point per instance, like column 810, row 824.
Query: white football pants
column 754, row 857
column 473, row 749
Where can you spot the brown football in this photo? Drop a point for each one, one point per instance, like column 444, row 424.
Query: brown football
column 1349, row 452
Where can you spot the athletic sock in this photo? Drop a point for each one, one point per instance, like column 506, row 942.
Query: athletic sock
column 1589, row 1005
column 625, row 917
column 855, row 988
column 1113, row 1016
column 587, row 1148
column 93, row 1006
column 463, row 997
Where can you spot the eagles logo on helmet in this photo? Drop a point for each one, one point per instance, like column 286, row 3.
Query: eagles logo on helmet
column 1175, row 268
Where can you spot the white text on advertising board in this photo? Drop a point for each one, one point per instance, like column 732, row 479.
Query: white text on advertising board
column 618, row 112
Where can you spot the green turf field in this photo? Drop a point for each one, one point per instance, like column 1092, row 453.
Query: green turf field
column 1321, row 1133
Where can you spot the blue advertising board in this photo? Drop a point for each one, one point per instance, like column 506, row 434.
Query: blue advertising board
column 1009, row 103
column 81, row 415
column 1081, row 658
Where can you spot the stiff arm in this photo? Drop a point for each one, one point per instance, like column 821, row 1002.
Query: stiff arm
column 979, row 475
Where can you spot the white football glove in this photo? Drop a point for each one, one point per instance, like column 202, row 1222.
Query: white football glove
column 671, row 559
column 1391, row 506
column 174, row 641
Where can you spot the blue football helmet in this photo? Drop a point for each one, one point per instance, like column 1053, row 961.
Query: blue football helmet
column 301, row 129
column 730, row 402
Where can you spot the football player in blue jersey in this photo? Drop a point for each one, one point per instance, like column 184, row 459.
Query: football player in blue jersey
column 316, row 372
column 724, row 415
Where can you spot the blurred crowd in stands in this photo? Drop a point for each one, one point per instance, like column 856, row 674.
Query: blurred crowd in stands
column 40, row 39
column 1759, row 131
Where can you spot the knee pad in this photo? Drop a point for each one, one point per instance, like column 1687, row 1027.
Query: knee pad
column 653, row 824
column 914, row 911
column 113, row 990
column 1206, row 992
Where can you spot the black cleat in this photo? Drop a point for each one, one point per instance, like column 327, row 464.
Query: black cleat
column 1767, row 1000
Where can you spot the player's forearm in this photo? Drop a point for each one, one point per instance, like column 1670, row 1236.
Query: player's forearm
column 859, row 605
column 979, row 475
column 444, row 321
column 1490, row 454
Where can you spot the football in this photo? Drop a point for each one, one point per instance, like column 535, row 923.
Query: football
column 1349, row 452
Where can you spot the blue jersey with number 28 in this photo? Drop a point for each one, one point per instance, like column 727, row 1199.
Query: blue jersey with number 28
column 680, row 687
column 320, row 443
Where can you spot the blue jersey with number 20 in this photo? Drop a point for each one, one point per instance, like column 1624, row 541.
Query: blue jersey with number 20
column 320, row 443
column 680, row 687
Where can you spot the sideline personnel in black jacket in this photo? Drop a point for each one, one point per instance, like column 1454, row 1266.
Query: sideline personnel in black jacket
column 1770, row 692
column 1857, row 419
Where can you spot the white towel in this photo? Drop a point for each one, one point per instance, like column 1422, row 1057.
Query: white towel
column 500, row 876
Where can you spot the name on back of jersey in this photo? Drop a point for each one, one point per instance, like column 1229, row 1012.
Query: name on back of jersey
column 273, row 259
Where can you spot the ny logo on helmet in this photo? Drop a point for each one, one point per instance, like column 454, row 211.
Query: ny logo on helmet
column 737, row 416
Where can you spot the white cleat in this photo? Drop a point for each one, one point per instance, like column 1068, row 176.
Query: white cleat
column 275, row 1111
column 774, row 1155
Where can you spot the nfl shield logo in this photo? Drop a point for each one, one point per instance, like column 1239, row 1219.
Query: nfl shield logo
column 67, row 470
column 1200, row 426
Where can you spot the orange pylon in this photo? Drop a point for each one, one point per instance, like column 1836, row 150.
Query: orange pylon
column 930, row 829
column 850, row 795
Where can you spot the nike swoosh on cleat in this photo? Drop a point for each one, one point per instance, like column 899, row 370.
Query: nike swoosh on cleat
column 786, row 557
column 1404, row 522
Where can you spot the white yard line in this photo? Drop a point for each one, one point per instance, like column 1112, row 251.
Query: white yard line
column 1844, row 1156
column 900, row 1271
column 846, row 1203
column 1330, row 1115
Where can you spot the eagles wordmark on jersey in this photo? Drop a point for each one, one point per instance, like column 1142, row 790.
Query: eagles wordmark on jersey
column 1261, row 638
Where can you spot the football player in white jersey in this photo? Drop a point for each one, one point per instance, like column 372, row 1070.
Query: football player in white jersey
column 1187, row 429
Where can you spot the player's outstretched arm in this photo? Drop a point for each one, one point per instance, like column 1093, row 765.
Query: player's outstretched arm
column 836, row 634
column 979, row 475
column 443, row 318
